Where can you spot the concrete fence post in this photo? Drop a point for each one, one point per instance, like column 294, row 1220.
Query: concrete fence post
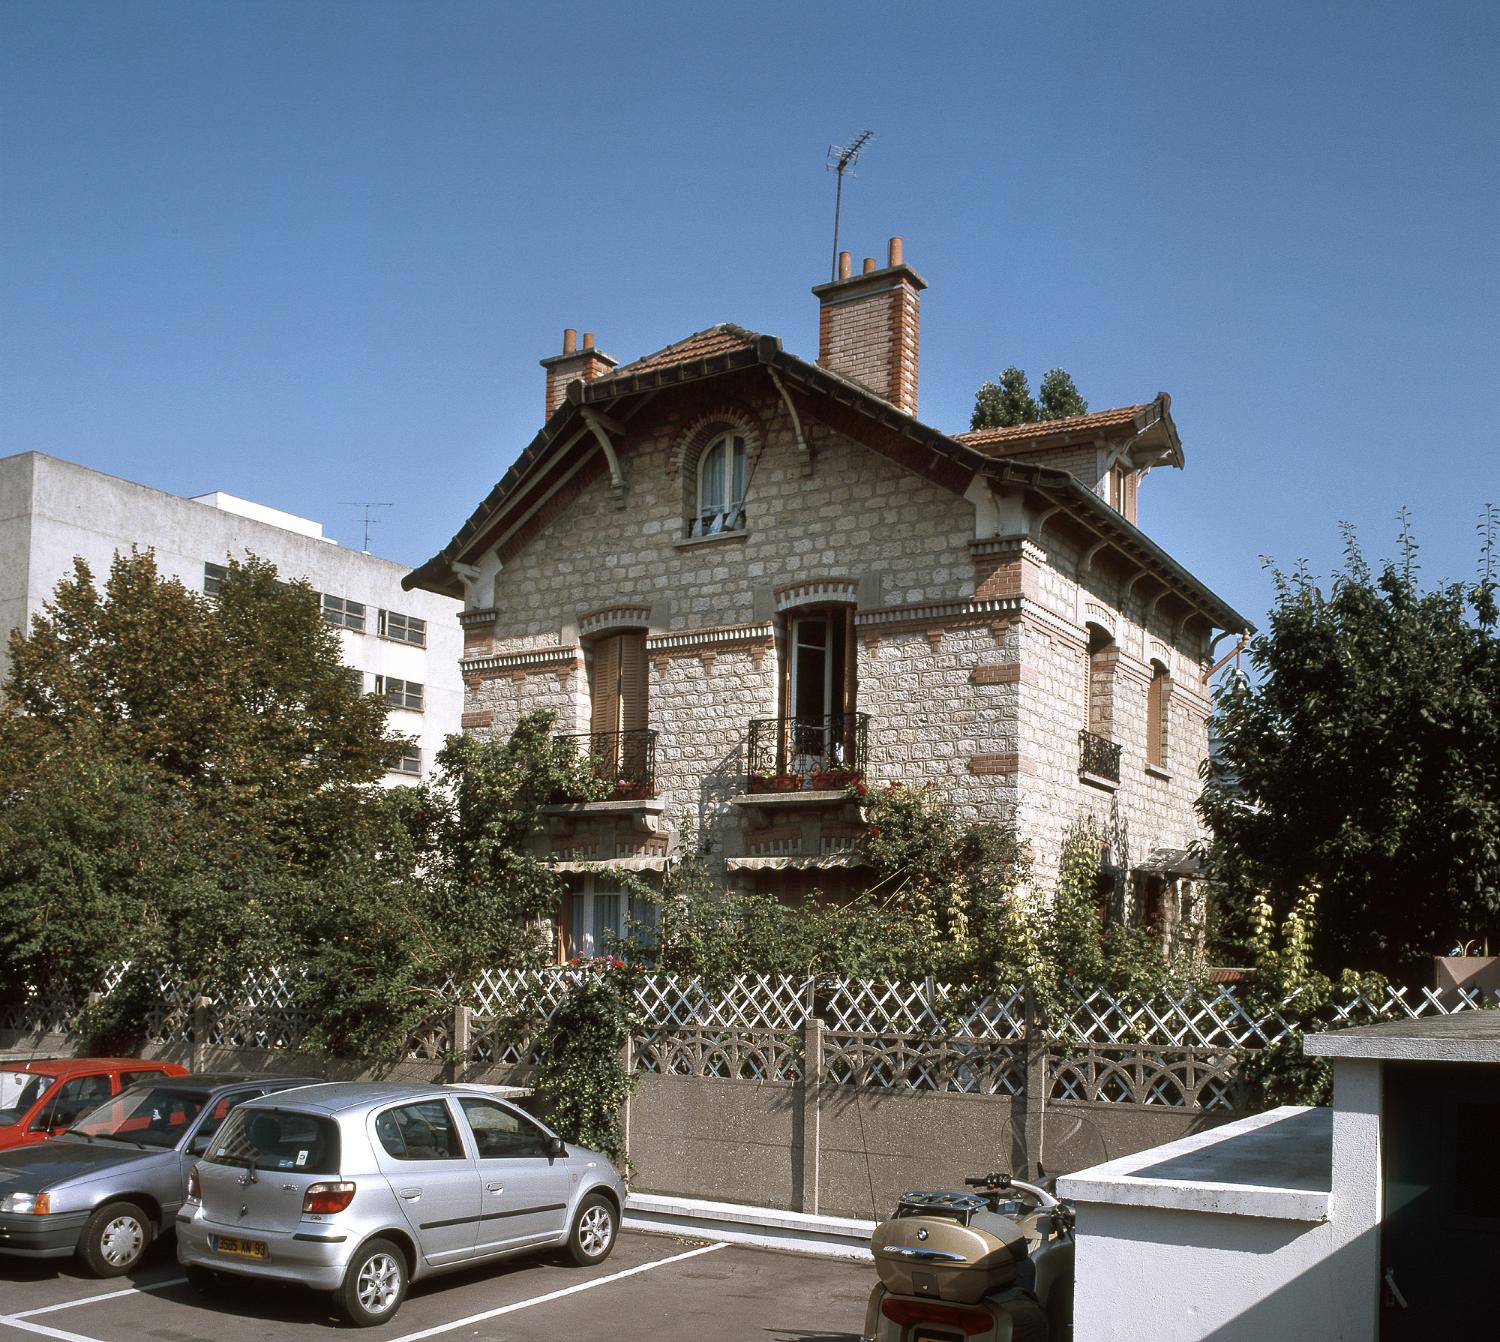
column 811, row 1100
column 1036, row 1085
column 458, row 1051
column 201, row 1030
column 627, row 1062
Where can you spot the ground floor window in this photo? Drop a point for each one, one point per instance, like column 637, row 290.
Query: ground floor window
column 598, row 914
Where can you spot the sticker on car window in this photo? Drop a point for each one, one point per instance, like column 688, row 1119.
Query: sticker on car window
column 301, row 1157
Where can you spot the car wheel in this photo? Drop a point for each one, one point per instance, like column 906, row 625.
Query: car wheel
column 115, row 1239
column 593, row 1234
column 374, row 1285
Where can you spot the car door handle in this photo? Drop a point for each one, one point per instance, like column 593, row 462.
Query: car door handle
column 410, row 1194
column 494, row 1188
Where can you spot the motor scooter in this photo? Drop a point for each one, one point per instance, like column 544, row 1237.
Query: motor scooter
column 989, row 1266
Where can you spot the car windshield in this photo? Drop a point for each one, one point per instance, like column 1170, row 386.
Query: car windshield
column 143, row 1116
column 19, row 1091
column 278, row 1139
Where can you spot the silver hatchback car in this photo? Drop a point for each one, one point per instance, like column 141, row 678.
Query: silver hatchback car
column 359, row 1188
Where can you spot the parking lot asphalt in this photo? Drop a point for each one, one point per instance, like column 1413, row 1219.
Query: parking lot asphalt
column 652, row 1287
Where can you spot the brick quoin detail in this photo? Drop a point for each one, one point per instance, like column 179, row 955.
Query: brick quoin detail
column 1000, row 673
column 479, row 717
column 1001, row 764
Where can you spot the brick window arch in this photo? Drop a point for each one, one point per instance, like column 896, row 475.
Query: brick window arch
column 714, row 461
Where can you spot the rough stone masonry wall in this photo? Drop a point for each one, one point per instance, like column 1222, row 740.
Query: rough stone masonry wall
column 1152, row 807
column 858, row 515
column 946, row 710
column 990, row 709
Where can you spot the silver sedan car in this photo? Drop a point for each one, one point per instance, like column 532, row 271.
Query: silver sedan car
column 359, row 1188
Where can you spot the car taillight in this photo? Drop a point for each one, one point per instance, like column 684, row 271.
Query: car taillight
column 195, row 1189
column 323, row 1199
column 971, row 1322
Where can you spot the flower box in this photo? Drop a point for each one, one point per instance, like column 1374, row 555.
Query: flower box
column 775, row 782
column 835, row 780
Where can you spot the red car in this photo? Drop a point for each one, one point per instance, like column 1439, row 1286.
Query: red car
column 39, row 1097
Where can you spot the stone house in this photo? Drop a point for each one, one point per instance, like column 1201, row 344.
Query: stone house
column 742, row 579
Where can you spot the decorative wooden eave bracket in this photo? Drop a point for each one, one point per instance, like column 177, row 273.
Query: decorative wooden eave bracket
column 804, row 453
column 602, row 426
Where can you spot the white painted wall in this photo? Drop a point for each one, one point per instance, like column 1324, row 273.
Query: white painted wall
column 1260, row 1229
column 52, row 510
column 1146, row 1274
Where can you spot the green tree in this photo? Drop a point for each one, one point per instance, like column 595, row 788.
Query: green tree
column 1059, row 397
column 454, row 890
column 1000, row 404
column 1362, row 760
column 181, row 769
column 1009, row 401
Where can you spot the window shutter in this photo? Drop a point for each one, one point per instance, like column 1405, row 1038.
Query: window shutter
column 633, row 682
column 605, row 686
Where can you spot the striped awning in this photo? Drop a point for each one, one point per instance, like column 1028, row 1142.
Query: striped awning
column 656, row 863
column 822, row 863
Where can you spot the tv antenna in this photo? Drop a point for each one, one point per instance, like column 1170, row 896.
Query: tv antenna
column 840, row 159
column 369, row 521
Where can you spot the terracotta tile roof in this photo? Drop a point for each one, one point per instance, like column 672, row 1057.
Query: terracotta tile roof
column 722, row 339
column 1013, row 434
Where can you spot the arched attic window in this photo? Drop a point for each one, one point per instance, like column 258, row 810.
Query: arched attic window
column 721, row 487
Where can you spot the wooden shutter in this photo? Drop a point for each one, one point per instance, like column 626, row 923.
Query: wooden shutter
column 604, row 685
column 633, row 682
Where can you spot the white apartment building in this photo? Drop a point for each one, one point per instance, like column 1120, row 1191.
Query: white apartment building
column 406, row 645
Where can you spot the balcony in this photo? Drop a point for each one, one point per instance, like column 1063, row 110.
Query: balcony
column 625, row 760
column 1098, row 760
column 808, row 754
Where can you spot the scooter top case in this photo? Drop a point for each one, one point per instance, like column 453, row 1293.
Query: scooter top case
column 947, row 1246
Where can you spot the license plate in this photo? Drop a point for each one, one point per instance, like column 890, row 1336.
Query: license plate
column 243, row 1248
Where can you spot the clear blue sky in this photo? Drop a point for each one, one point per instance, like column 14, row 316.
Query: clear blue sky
column 311, row 253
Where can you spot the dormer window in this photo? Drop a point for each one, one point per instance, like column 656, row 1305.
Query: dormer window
column 721, row 487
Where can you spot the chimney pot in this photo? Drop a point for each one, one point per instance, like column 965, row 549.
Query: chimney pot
column 573, row 365
column 894, row 253
column 846, row 265
column 869, row 265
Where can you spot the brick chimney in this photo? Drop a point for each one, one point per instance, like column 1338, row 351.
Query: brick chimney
column 868, row 323
column 572, row 365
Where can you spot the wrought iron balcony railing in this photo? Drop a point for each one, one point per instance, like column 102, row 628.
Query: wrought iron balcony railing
column 808, row 754
column 1099, row 756
column 627, row 760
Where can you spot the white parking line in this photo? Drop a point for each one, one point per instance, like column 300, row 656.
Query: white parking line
column 11, row 1321
column 92, row 1299
column 553, row 1295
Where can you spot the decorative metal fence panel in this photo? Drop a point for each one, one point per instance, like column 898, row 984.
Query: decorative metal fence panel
column 1176, row 1050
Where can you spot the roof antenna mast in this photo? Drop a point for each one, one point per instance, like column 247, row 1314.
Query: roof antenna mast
column 840, row 158
column 369, row 521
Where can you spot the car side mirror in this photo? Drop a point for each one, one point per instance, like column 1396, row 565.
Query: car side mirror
column 556, row 1148
column 199, row 1145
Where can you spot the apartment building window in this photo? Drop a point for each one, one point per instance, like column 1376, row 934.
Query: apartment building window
column 411, row 761
column 599, row 914
column 399, row 693
column 819, row 689
column 1157, row 701
column 346, row 614
column 213, row 578
column 721, row 487
column 1099, row 683
column 403, row 628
